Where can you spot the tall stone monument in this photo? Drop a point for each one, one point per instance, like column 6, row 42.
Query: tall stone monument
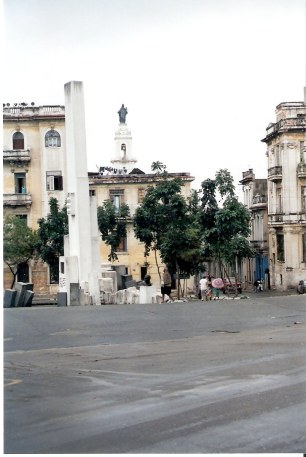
column 81, row 256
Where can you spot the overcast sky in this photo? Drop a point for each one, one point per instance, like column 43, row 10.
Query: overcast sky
column 201, row 78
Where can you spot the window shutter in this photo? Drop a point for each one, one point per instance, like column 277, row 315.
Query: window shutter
column 50, row 182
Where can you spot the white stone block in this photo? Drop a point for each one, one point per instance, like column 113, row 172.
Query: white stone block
column 106, row 266
column 111, row 274
column 124, row 294
column 131, row 293
column 106, row 284
column 119, row 297
column 108, row 298
column 146, row 294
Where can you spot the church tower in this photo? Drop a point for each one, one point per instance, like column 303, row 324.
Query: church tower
column 123, row 157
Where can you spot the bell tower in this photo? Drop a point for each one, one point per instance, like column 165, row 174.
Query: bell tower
column 123, row 156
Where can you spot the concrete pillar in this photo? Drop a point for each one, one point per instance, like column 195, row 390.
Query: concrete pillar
column 82, row 214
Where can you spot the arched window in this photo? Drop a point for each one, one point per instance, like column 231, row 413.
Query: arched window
column 18, row 140
column 52, row 139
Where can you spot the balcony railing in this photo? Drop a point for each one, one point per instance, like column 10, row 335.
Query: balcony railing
column 26, row 111
column 247, row 176
column 17, row 199
column 259, row 245
column 295, row 123
column 301, row 170
column 275, row 218
column 17, row 155
column 275, row 173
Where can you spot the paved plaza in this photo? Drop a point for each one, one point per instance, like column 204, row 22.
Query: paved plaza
column 224, row 376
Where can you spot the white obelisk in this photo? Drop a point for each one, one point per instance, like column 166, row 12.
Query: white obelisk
column 82, row 261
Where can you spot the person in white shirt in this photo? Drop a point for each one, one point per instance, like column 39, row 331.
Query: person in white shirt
column 203, row 287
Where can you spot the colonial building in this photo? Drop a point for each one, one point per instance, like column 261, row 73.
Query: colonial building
column 34, row 171
column 256, row 200
column 285, row 140
column 122, row 182
column 130, row 189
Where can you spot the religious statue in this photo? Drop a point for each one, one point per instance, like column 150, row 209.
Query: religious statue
column 122, row 114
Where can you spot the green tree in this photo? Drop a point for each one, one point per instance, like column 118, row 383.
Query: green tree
column 158, row 167
column 19, row 242
column 225, row 221
column 112, row 224
column 166, row 222
column 51, row 231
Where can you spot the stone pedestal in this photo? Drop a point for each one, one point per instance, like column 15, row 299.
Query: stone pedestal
column 21, row 288
column 147, row 294
column 9, row 298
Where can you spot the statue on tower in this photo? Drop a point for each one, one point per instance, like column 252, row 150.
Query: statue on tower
column 122, row 114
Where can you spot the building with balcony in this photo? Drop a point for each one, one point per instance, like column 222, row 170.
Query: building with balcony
column 256, row 200
column 285, row 140
column 34, row 171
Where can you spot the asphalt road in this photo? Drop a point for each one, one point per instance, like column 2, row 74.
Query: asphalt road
column 197, row 377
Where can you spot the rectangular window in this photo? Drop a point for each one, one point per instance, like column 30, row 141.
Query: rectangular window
column 18, row 142
column 54, row 273
column 54, row 180
column 303, row 198
column 116, row 197
column 304, row 247
column 302, row 152
column 277, row 156
column 141, row 194
column 280, row 247
column 123, row 245
column 143, row 272
column 20, row 183
column 279, row 201
column 53, row 141
column 23, row 272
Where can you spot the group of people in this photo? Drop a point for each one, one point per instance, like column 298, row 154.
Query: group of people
column 207, row 291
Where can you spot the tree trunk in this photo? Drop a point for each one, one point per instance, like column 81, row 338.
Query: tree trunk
column 156, row 263
column 226, row 274
column 178, row 281
column 14, row 273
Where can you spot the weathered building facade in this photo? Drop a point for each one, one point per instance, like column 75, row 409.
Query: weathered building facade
column 130, row 189
column 34, row 167
column 285, row 140
column 256, row 200
column 33, row 172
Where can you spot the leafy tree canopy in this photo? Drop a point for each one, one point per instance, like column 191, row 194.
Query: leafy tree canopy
column 225, row 222
column 112, row 225
column 167, row 223
column 19, row 242
column 51, row 231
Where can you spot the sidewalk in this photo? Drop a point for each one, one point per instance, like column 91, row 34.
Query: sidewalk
column 270, row 293
column 43, row 300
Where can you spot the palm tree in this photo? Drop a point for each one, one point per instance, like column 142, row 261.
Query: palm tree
column 158, row 167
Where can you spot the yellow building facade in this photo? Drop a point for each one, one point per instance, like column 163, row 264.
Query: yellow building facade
column 34, row 171
column 130, row 189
